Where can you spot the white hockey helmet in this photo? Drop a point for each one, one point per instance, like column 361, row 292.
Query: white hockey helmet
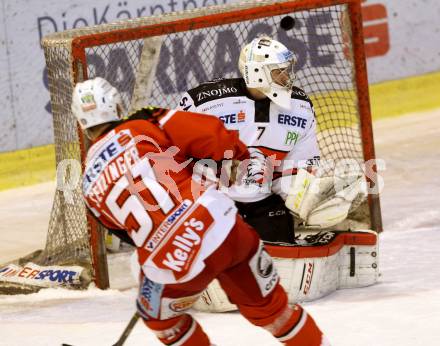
column 258, row 62
column 96, row 101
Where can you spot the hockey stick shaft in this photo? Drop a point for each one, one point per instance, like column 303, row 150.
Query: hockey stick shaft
column 127, row 330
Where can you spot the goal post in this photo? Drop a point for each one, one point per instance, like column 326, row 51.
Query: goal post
column 153, row 60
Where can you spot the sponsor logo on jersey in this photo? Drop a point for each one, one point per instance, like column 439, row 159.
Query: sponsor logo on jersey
column 291, row 137
column 238, row 102
column 103, row 156
column 241, row 116
column 182, row 247
column 215, row 80
column 182, row 304
column 215, row 93
column 100, row 160
column 304, row 106
column 123, row 139
column 211, row 107
column 149, row 298
column 264, row 271
column 292, row 120
column 184, row 105
column 167, row 224
column 108, row 164
column 233, row 118
column 265, row 264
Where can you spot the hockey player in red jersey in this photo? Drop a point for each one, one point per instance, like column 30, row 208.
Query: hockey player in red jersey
column 137, row 178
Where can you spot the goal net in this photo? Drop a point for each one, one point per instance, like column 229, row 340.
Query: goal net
column 153, row 60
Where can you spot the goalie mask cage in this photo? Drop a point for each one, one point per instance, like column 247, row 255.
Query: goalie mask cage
column 153, row 60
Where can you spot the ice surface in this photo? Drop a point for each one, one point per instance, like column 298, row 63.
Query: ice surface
column 403, row 309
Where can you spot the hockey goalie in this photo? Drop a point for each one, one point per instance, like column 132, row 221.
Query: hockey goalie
column 300, row 211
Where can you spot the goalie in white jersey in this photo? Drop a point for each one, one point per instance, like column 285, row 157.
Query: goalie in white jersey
column 275, row 120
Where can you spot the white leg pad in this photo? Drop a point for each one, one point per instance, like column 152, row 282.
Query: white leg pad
column 214, row 299
column 344, row 260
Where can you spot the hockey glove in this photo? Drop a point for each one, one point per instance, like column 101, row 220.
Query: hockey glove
column 316, row 202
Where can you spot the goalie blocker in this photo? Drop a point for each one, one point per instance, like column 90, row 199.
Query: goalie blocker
column 318, row 265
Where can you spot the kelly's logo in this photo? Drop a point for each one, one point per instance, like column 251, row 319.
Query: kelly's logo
column 181, row 249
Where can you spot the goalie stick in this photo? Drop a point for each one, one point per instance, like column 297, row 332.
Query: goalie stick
column 125, row 333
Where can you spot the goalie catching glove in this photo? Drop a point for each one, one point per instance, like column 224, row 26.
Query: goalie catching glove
column 318, row 203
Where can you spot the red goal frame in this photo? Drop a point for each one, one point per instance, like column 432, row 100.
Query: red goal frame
column 79, row 63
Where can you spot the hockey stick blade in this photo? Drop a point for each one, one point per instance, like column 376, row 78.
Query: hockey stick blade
column 127, row 330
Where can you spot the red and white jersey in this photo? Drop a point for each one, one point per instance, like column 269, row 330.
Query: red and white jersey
column 138, row 177
column 288, row 135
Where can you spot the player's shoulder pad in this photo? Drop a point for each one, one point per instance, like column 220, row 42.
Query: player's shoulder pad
column 299, row 94
column 217, row 89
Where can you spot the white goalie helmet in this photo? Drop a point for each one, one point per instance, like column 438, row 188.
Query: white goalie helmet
column 96, row 101
column 267, row 65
